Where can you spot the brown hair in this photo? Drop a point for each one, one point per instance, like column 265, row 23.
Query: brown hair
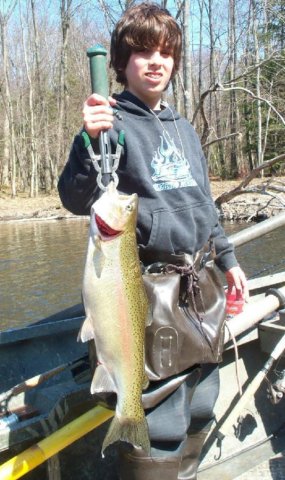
column 144, row 27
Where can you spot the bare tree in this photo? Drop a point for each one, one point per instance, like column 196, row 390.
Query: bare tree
column 232, row 72
column 40, row 107
column 31, row 116
column 231, row 65
column 65, row 16
column 187, row 63
column 258, row 91
column 9, row 127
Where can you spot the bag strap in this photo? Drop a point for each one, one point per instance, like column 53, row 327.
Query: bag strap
column 155, row 262
column 206, row 254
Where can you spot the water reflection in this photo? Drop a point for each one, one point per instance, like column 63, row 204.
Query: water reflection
column 42, row 263
column 263, row 256
column 41, row 266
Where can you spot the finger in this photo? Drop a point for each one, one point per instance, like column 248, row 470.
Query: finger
column 230, row 280
column 112, row 101
column 242, row 286
column 95, row 114
column 96, row 109
column 96, row 99
column 230, row 287
column 97, row 118
column 234, row 281
column 245, row 289
column 94, row 128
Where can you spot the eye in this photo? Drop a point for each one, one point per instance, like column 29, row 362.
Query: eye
column 166, row 53
column 129, row 207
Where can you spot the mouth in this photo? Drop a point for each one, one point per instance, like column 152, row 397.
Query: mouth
column 105, row 229
column 154, row 75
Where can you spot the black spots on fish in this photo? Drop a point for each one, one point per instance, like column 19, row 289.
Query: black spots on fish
column 133, row 284
column 134, row 409
column 115, row 292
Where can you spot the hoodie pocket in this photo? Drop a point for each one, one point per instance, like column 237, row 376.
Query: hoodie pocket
column 183, row 229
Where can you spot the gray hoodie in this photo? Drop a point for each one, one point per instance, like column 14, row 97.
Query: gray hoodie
column 164, row 164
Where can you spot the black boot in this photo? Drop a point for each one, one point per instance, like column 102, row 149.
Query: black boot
column 191, row 455
column 134, row 466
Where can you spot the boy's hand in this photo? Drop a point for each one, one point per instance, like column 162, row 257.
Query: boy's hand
column 98, row 114
column 236, row 278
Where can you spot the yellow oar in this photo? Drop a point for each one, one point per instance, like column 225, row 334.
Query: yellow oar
column 41, row 451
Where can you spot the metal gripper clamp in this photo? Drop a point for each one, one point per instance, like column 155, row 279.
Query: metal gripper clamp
column 106, row 163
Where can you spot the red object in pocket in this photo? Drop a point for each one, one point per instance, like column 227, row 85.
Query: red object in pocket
column 234, row 304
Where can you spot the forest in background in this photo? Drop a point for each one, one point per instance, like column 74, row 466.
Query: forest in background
column 231, row 84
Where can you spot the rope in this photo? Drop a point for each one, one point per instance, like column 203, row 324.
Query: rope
column 236, row 357
column 192, row 285
column 192, row 290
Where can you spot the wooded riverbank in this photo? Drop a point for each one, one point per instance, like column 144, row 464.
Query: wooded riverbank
column 260, row 202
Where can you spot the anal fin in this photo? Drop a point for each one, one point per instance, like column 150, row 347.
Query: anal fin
column 102, row 381
column 86, row 331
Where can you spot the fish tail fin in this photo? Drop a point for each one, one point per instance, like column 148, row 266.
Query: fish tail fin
column 127, row 430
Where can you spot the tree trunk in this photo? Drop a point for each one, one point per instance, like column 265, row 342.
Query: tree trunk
column 201, row 9
column 233, row 100
column 9, row 141
column 187, row 63
column 31, row 133
column 176, row 88
column 65, row 12
column 211, row 63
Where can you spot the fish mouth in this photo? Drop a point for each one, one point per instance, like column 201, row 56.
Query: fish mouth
column 105, row 229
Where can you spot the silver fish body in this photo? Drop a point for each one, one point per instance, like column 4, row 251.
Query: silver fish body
column 116, row 309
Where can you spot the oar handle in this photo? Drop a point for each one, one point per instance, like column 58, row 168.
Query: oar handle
column 98, row 70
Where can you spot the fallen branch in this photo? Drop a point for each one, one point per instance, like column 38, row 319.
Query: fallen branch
column 241, row 188
column 264, row 187
column 263, row 207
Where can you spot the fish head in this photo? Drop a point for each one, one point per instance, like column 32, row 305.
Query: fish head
column 113, row 213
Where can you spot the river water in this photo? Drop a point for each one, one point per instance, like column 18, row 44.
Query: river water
column 42, row 263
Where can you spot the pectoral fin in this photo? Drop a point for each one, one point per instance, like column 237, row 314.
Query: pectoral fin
column 99, row 258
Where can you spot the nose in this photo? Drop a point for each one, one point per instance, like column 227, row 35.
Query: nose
column 155, row 57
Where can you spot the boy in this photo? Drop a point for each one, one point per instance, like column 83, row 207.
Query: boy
column 164, row 164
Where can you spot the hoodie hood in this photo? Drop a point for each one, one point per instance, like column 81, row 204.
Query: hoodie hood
column 128, row 102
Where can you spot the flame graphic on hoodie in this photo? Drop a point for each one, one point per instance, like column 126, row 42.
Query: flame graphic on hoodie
column 170, row 167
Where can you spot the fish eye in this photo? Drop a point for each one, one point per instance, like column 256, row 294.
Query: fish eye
column 129, row 207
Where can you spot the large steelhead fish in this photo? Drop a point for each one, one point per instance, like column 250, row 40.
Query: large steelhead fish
column 116, row 309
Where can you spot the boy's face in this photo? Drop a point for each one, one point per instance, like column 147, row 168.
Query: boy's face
column 148, row 74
